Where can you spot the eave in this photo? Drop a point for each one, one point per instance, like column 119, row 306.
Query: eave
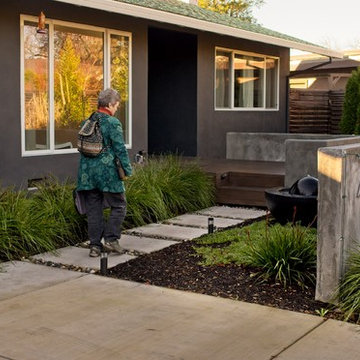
column 193, row 23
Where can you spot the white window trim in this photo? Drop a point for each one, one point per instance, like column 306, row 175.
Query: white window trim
column 50, row 22
column 231, row 78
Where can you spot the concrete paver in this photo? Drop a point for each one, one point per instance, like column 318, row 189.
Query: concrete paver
column 19, row 277
column 77, row 256
column 233, row 212
column 333, row 340
column 169, row 232
column 144, row 244
column 95, row 317
column 51, row 313
column 201, row 221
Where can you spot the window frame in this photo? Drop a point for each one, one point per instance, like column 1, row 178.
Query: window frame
column 231, row 107
column 106, row 80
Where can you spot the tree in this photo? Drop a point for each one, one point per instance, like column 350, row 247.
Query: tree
column 241, row 9
column 71, row 102
column 350, row 119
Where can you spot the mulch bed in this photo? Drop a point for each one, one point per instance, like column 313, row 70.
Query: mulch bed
column 177, row 267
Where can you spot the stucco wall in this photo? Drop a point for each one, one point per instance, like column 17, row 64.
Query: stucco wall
column 16, row 170
column 213, row 125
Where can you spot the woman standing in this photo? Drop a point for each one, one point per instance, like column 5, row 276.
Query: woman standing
column 99, row 181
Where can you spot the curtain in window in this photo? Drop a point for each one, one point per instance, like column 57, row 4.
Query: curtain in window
column 248, row 81
column 223, row 61
column 271, row 83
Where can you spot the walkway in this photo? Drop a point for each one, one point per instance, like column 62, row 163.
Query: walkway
column 51, row 313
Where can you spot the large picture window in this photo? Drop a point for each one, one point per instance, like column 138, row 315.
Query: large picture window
column 63, row 71
column 245, row 81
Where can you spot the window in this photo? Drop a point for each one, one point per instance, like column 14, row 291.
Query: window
column 63, row 71
column 245, row 81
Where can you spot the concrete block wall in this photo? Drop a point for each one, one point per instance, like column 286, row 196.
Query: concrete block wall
column 338, row 215
column 298, row 151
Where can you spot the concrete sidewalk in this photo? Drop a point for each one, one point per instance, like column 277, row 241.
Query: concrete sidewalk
column 52, row 313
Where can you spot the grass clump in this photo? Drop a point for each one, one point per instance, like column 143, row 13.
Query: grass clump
column 349, row 289
column 165, row 187
column 285, row 254
column 23, row 231
column 47, row 220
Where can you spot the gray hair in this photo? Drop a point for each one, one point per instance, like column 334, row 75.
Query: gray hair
column 108, row 96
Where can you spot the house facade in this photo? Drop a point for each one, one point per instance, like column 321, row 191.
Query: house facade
column 186, row 77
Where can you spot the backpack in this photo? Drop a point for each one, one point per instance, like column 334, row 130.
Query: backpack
column 90, row 139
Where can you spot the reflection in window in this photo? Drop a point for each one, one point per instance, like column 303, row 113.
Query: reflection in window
column 222, row 61
column 36, row 73
column 78, row 78
column 64, row 71
column 253, row 81
column 119, row 62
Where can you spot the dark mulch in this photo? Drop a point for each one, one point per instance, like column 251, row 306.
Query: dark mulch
column 177, row 267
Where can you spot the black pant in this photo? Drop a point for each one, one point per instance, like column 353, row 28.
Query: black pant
column 97, row 226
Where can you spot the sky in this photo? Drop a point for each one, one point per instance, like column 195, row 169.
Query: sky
column 334, row 24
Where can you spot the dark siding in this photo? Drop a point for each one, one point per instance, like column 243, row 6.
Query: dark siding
column 16, row 170
column 209, row 126
column 172, row 92
column 213, row 125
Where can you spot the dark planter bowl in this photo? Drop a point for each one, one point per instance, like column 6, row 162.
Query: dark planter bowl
column 282, row 206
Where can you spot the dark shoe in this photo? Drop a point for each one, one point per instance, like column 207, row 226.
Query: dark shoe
column 114, row 246
column 95, row 251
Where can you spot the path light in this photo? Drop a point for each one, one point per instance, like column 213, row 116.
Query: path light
column 210, row 225
column 103, row 263
column 41, row 29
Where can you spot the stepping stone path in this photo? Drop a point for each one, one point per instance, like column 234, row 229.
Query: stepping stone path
column 153, row 237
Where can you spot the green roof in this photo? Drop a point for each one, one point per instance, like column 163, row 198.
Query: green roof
column 180, row 8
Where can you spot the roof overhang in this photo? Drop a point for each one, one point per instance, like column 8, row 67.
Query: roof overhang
column 189, row 22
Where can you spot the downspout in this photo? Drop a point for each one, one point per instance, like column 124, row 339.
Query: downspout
column 294, row 73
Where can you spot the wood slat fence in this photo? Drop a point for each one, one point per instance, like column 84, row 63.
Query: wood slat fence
column 315, row 111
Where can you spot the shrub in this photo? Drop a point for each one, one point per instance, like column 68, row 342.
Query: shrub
column 349, row 289
column 285, row 253
column 350, row 123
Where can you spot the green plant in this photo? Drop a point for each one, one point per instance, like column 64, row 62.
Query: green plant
column 322, row 312
column 165, row 187
column 23, row 231
column 349, row 123
column 47, row 220
column 286, row 254
column 348, row 293
column 53, row 201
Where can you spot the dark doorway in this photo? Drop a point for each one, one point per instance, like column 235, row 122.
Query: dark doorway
column 172, row 106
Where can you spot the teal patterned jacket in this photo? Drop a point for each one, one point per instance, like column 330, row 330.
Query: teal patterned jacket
column 100, row 172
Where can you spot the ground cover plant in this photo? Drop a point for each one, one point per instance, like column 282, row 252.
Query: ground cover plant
column 218, row 264
column 47, row 220
column 286, row 254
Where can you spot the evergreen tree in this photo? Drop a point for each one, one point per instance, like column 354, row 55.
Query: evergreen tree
column 350, row 120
